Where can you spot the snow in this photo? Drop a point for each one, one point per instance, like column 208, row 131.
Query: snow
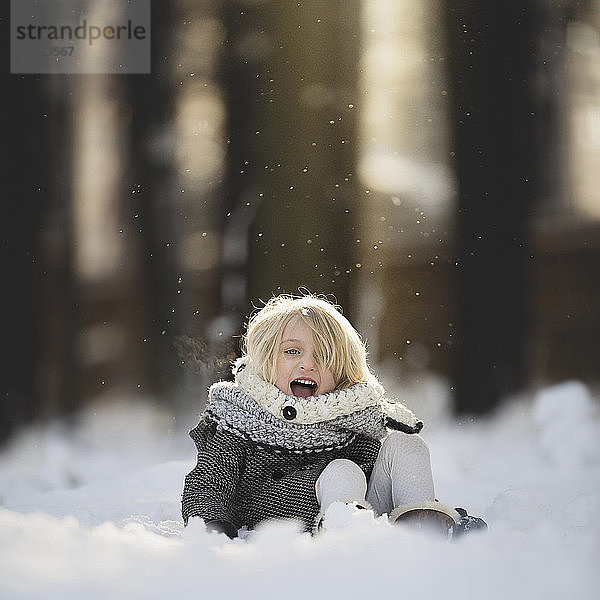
column 90, row 509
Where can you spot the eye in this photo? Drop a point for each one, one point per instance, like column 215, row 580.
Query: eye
column 291, row 351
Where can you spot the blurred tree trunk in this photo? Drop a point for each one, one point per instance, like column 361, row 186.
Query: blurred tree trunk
column 151, row 184
column 176, row 179
column 292, row 98
column 26, row 171
column 492, row 71
column 36, row 275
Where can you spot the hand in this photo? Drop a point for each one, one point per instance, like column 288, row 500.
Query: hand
column 222, row 526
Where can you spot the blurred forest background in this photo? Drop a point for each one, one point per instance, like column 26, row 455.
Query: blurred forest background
column 434, row 166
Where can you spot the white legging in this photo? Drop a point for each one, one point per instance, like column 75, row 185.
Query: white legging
column 401, row 475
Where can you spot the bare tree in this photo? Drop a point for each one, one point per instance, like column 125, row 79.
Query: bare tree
column 492, row 67
column 291, row 81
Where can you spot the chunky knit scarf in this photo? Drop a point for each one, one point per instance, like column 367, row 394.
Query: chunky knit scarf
column 256, row 410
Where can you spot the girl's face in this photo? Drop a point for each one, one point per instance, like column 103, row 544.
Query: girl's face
column 298, row 371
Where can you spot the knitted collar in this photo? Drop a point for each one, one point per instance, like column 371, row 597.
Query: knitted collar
column 325, row 407
column 258, row 411
column 314, row 409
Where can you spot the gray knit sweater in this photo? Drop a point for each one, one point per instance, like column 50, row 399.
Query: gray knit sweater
column 260, row 452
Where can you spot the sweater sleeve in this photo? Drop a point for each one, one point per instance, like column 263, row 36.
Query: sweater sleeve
column 210, row 486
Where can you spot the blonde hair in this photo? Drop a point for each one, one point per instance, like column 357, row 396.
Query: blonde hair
column 339, row 347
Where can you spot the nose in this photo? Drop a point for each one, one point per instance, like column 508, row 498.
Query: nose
column 308, row 364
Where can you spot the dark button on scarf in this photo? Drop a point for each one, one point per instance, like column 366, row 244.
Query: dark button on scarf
column 289, row 413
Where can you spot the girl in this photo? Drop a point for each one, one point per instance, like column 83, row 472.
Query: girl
column 305, row 424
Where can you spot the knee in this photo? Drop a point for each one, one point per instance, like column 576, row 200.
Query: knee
column 341, row 480
column 344, row 468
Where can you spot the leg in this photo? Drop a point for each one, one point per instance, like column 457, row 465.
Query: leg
column 341, row 481
column 402, row 473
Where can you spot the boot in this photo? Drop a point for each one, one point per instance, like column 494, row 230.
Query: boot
column 431, row 517
column 467, row 523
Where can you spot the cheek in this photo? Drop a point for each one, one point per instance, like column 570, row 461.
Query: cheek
column 329, row 381
column 282, row 370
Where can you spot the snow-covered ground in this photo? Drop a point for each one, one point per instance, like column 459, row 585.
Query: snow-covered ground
column 91, row 510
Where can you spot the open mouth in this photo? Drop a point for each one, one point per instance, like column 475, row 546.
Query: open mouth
column 303, row 388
